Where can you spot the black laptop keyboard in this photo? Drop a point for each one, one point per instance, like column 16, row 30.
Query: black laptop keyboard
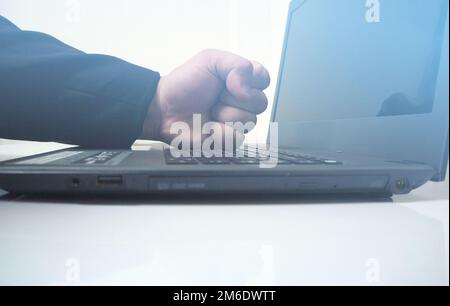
column 250, row 156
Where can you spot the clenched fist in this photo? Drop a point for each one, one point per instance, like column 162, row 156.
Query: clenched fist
column 220, row 86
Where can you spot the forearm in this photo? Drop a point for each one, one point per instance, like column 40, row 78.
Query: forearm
column 52, row 92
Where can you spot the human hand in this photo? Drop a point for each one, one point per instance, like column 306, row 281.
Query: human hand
column 220, row 86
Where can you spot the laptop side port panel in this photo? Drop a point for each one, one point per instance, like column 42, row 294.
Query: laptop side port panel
column 299, row 184
column 110, row 181
column 96, row 183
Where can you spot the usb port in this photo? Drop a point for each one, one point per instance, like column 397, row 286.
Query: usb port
column 110, row 180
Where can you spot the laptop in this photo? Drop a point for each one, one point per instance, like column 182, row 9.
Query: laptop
column 361, row 108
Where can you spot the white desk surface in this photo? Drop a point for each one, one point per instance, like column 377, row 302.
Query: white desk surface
column 233, row 241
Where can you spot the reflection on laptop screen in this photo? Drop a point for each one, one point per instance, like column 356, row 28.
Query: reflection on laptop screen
column 345, row 59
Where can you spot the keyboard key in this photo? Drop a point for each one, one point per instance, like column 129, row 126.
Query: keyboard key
column 181, row 161
column 213, row 161
column 332, row 162
column 308, row 162
column 284, row 162
column 171, row 160
column 244, row 161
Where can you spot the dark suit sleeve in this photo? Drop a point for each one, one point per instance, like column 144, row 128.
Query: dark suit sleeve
column 52, row 92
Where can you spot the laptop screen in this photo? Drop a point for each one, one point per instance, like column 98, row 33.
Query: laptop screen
column 358, row 58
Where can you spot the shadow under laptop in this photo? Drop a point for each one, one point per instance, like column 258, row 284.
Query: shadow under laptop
column 192, row 199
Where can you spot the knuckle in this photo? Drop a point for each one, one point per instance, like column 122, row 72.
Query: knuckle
column 262, row 104
column 258, row 67
column 246, row 65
